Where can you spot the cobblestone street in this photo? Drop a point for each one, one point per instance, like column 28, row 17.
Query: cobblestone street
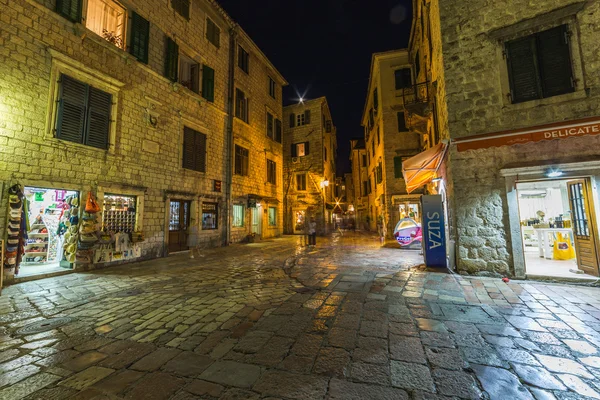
column 344, row 320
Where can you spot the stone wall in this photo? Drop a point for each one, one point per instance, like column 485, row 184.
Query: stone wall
column 33, row 39
column 476, row 84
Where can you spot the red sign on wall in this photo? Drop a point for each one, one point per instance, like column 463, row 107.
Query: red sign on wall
column 555, row 131
column 217, row 186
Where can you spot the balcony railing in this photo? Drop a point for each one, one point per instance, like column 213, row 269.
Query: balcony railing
column 416, row 94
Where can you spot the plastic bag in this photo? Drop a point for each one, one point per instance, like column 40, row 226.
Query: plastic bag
column 562, row 248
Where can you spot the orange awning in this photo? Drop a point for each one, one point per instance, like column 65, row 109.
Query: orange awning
column 422, row 168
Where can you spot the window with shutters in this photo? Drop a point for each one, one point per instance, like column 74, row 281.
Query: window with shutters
column 194, row 150
column 241, row 105
column 300, row 149
column 243, row 59
column 402, row 78
column 139, row 37
column 301, row 182
column 70, row 9
column 271, row 172
column 84, row 113
column 213, row 33
column 107, row 19
column 208, row 83
column 398, row 167
column 238, row 216
column 301, row 120
column 539, row 65
column 189, row 73
column 241, row 160
column 270, row 126
column 171, row 60
column 182, row 7
column 272, row 88
column 401, row 122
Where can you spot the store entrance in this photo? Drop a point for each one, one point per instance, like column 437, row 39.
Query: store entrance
column 558, row 228
column 257, row 220
column 179, row 220
column 48, row 218
column 299, row 221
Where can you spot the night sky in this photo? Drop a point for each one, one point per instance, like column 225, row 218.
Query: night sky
column 324, row 48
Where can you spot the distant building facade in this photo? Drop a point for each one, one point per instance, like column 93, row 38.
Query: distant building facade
column 388, row 140
column 310, row 147
column 360, row 182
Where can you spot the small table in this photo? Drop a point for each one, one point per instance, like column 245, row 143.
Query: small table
column 545, row 245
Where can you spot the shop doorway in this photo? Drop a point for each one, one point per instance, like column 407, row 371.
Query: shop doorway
column 299, row 221
column 49, row 215
column 558, row 228
column 257, row 220
column 179, row 221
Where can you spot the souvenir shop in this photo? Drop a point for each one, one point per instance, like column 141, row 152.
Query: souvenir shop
column 53, row 230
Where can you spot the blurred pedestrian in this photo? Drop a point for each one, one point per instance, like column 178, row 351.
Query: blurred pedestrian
column 312, row 232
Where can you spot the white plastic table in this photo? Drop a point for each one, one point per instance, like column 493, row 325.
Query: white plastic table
column 545, row 246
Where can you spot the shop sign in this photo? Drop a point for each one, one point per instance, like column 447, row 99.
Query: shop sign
column 584, row 127
column 434, row 231
column 217, row 186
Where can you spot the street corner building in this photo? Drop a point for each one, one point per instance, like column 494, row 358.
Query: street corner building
column 514, row 94
column 164, row 113
column 310, row 148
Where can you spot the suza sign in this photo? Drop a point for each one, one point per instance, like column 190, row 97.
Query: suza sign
column 434, row 231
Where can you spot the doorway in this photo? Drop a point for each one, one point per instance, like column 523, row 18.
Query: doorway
column 299, row 221
column 179, row 221
column 257, row 220
column 558, row 228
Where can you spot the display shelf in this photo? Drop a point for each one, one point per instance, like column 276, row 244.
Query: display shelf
column 36, row 252
column 37, row 234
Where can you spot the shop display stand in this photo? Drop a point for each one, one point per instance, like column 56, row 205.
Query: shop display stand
column 51, row 219
column 33, row 248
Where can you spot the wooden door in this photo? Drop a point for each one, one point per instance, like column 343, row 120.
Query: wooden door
column 179, row 220
column 257, row 220
column 584, row 226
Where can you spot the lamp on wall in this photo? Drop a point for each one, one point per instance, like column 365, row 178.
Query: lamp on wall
column 553, row 172
column 324, row 183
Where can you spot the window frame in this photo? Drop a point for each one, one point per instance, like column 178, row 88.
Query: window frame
column 212, row 35
column 270, row 209
column 207, row 212
column 242, row 111
column 198, row 137
column 272, row 88
column 401, row 118
column 241, row 160
column 270, row 125
column 192, row 85
column 179, row 11
column 271, row 172
column 85, row 9
column 242, row 220
column 303, row 187
column 243, row 59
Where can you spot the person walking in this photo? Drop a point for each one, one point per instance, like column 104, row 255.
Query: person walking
column 192, row 239
column 312, row 232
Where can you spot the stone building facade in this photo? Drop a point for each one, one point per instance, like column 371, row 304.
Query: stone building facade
column 360, row 182
column 388, row 140
column 310, row 148
column 163, row 133
column 519, row 89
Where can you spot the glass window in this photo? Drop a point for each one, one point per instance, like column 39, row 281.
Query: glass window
column 243, row 59
column 213, row 33
column 107, row 19
column 241, row 105
column 119, row 213
column 301, row 182
column 272, row 216
column 301, row 119
column 272, row 87
column 300, row 149
column 271, row 172
column 238, row 215
column 189, row 73
column 241, row 161
column 209, row 216
column 270, row 126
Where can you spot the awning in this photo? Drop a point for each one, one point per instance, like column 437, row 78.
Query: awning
column 422, row 168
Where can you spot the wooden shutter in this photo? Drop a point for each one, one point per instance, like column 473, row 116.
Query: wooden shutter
column 294, row 150
column 189, row 148
column 98, row 119
column 278, row 131
column 208, row 83
column 375, row 99
column 200, row 151
column 270, row 126
column 71, row 110
column 397, row 167
column 172, row 60
column 523, row 70
column 195, row 77
column 555, row 61
column 307, row 117
column 306, row 149
column 70, row 9
column 239, row 103
column 140, row 37
column 292, row 120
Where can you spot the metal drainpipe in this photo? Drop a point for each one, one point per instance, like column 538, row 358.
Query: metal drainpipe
column 229, row 138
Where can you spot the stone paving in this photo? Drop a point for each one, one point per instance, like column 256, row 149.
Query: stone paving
column 344, row 320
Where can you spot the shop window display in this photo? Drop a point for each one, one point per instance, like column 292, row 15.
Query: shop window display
column 119, row 213
column 209, row 216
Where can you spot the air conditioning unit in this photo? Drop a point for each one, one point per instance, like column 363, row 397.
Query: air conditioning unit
column 295, row 160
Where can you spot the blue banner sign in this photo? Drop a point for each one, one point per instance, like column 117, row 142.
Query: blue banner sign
column 434, row 231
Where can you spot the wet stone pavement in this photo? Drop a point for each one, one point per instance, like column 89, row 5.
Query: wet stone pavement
column 344, row 320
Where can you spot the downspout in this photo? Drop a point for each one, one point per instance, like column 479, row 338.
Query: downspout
column 229, row 138
column 324, row 177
